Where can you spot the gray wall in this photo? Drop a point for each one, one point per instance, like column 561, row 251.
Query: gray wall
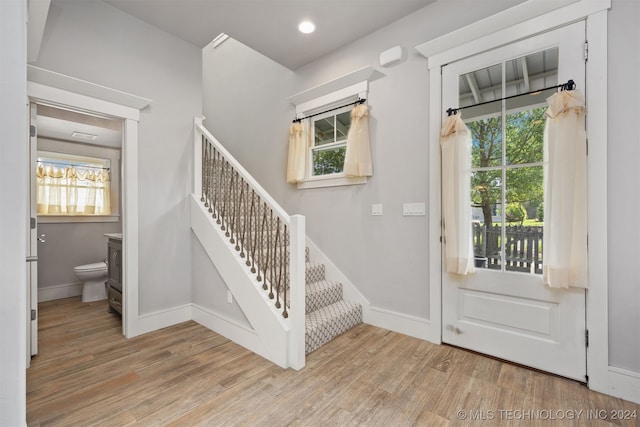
column 624, row 176
column 244, row 111
column 68, row 245
column 208, row 288
column 93, row 41
column 385, row 257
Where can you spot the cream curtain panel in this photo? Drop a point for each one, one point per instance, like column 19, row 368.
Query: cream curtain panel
column 297, row 153
column 565, row 192
column 72, row 191
column 357, row 159
column 455, row 143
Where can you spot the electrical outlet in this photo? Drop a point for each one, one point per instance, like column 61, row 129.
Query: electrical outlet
column 229, row 297
column 376, row 209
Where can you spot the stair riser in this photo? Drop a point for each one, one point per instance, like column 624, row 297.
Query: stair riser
column 321, row 333
column 322, row 294
column 314, row 272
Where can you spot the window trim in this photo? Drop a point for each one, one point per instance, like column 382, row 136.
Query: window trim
column 519, row 22
column 347, row 87
column 312, row 148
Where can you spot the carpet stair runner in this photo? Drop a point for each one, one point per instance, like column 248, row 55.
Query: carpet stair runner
column 327, row 314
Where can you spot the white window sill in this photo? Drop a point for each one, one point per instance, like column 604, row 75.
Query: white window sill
column 331, row 182
column 53, row 219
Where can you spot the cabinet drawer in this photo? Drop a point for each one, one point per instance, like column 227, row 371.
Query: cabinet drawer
column 115, row 300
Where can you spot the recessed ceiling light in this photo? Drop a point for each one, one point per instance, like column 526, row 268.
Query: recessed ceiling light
column 83, row 135
column 307, row 27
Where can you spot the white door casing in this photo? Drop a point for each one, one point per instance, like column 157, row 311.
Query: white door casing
column 512, row 315
column 32, row 242
column 63, row 91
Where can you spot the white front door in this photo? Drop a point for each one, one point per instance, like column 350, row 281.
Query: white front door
column 504, row 309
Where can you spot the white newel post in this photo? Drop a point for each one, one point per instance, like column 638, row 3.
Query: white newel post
column 297, row 289
column 197, row 156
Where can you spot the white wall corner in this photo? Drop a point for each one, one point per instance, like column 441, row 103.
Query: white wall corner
column 150, row 322
column 38, row 12
column 413, row 326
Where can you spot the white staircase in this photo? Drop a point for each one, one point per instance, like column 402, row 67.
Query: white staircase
column 258, row 249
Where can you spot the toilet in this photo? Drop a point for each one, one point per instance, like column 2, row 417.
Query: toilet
column 94, row 277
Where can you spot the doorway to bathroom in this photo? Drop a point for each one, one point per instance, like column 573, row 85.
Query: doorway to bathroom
column 77, row 96
column 75, row 200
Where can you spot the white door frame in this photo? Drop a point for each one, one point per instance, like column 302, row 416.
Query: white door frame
column 525, row 20
column 64, row 91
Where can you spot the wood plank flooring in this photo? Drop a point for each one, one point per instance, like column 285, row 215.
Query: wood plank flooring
column 87, row 373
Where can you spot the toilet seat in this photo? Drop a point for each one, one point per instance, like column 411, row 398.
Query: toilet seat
column 87, row 268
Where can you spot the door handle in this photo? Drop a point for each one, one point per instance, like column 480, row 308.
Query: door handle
column 41, row 238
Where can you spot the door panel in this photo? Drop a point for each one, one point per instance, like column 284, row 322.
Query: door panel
column 504, row 309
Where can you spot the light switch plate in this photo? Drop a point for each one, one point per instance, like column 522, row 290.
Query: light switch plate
column 376, row 209
column 413, row 209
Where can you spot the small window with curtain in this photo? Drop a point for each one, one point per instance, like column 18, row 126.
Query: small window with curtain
column 72, row 185
column 329, row 137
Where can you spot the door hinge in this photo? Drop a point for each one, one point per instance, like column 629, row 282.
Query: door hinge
column 32, row 223
column 586, row 338
column 32, row 130
column 33, row 315
column 586, row 50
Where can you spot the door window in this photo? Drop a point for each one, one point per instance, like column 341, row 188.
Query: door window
column 507, row 170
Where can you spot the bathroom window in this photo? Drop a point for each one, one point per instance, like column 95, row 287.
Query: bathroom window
column 73, row 185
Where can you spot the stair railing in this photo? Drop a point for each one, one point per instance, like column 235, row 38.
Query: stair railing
column 269, row 241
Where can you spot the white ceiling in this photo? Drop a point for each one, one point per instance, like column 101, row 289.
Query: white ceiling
column 58, row 123
column 267, row 26
column 271, row 26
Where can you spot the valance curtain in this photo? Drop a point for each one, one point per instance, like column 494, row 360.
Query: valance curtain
column 357, row 159
column 72, row 191
column 565, row 192
column 455, row 143
column 297, row 152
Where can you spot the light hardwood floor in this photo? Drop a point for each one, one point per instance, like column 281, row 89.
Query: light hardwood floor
column 87, row 373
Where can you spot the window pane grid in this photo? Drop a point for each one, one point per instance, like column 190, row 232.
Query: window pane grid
column 326, row 155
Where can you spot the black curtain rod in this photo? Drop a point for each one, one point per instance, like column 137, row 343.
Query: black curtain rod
column 47, row 162
column 359, row 101
column 570, row 85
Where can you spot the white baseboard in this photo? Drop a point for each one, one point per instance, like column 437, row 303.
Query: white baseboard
column 228, row 328
column 624, row 384
column 413, row 326
column 394, row 321
column 65, row 290
column 159, row 319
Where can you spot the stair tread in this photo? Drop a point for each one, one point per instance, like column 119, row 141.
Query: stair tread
column 329, row 313
column 320, row 285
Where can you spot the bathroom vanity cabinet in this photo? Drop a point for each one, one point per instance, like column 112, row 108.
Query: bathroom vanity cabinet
column 114, row 268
